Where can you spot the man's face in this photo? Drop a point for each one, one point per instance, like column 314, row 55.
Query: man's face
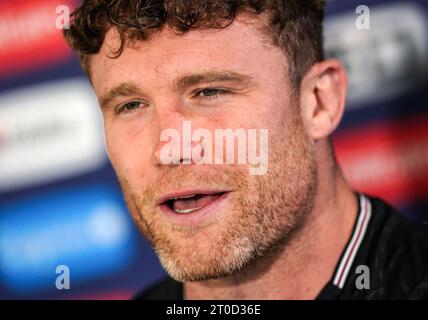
column 218, row 79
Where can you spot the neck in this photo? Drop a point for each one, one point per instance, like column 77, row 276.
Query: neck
column 299, row 268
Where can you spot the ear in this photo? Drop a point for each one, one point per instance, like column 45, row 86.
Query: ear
column 322, row 98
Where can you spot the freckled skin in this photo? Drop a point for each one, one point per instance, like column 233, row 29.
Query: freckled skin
column 264, row 212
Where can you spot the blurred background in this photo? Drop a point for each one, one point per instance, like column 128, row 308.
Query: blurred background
column 60, row 203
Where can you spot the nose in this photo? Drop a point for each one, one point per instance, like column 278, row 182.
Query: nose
column 174, row 145
column 177, row 151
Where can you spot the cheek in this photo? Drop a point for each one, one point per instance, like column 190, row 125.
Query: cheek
column 126, row 150
column 115, row 149
column 267, row 112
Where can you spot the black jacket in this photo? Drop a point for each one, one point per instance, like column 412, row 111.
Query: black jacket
column 392, row 248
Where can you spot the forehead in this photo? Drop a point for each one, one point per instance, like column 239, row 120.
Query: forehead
column 241, row 47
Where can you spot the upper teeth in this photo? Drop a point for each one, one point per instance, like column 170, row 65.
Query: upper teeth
column 183, row 197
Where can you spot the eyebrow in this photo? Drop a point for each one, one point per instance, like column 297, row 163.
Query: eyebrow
column 213, row 76
column 130, row 88
column 123, row 89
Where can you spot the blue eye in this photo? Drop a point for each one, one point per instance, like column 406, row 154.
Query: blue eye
column 129, row 106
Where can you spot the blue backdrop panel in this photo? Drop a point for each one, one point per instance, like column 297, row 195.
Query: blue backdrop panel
column 60, row 203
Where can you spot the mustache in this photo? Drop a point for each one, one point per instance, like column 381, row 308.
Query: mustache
column 171, row 180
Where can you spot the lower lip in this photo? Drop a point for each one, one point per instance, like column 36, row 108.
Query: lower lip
column 195, row 217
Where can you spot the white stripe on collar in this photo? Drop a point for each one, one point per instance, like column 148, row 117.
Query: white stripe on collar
column 356, row 239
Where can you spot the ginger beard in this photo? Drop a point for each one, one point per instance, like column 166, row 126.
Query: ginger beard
column 261, row 213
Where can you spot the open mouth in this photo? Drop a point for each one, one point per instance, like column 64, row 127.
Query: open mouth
column 192, row 207
column 191, row 203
